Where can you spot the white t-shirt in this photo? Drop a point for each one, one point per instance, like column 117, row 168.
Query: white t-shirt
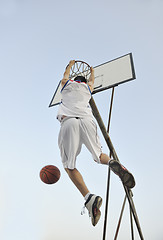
column 75, row 100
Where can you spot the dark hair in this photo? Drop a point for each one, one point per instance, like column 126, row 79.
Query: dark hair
column 81, row 79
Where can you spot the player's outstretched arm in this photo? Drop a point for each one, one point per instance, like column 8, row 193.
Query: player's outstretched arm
column 91, row 80
column 67, row 73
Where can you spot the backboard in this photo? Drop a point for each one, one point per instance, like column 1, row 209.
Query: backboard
column 107, row 75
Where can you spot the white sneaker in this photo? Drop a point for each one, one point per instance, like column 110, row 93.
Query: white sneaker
column 93, row 204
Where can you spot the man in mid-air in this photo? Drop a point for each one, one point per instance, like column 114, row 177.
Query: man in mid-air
column 77, row 128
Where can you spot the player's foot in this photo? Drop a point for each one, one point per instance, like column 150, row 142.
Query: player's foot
column 126, row 177
column 93, row 204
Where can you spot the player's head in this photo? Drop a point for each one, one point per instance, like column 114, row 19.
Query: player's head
column 80, row 79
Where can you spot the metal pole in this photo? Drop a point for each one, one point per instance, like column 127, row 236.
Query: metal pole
column 132, row 207
column 120, row 218
column 113, row 152
column 106, row 206
column 110, row 112
column 103, row 129
column 132, row 229
column 108, row 181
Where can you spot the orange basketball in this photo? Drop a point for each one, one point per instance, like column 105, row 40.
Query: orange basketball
column 50, row 174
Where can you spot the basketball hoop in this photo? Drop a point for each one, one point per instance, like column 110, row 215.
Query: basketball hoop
column 107, row 75
column 80, row 68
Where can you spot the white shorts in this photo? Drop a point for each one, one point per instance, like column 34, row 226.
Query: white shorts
column 73, row 133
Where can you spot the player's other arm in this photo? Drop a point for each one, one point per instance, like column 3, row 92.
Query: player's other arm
column 67, row 73
column 91, row 80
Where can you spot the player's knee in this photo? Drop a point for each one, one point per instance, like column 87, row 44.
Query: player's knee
column 104, row 158
column 68, row 170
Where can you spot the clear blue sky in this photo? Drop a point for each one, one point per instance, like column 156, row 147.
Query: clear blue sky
column 37, row 39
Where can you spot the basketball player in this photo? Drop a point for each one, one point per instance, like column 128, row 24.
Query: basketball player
column 77, row 128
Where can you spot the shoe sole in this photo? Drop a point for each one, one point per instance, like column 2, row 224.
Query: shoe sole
column 95, row 210
column 125, row 176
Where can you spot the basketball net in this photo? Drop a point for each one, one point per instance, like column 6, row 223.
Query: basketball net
column 80, row 68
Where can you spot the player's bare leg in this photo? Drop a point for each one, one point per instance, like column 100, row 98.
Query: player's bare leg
column 93, row 202
column 77, row 179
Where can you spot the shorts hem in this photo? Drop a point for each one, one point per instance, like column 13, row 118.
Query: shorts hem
column 69, row 167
